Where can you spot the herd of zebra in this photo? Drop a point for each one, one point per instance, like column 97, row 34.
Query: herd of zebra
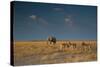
column 52, row 40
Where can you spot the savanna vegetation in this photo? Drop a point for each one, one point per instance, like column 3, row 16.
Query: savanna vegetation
column 39, row 52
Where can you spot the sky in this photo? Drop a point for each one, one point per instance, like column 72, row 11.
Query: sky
column 37, row 21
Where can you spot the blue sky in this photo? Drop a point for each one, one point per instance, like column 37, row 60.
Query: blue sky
column 36, row 21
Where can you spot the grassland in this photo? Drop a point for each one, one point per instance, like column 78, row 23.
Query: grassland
column 39, row 52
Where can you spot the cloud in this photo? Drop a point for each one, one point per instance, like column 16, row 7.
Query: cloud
column 42, row 21
column 33, row 17
column 71, row 24
column 57, row 9
column 68, row 21
column 39, row 20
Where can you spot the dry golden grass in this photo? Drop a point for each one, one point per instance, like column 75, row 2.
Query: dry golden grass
column 39, row 52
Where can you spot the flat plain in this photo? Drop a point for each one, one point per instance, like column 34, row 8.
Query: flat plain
column 39, row 52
